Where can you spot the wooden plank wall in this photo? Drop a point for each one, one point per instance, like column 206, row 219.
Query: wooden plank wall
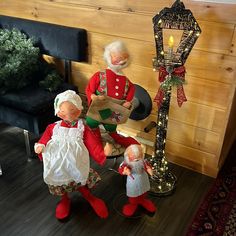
column 196, row 131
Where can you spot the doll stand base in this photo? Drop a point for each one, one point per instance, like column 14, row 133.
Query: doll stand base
column 121, row 200
column 163, row 187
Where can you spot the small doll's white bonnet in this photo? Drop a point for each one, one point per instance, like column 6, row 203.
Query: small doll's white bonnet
column 69, row 96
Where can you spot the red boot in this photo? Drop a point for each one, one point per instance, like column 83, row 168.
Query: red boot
column 123, row 141
column 63, row 207
column 97, row 204
column 146, row 203
column 130, row 208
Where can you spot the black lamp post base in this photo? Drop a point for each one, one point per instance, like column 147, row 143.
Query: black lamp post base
column 163, row 186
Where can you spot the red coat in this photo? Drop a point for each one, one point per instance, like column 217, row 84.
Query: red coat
column 115, row 83
column 91, row 141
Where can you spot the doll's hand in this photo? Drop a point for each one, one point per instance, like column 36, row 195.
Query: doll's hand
column 150, row 171
column 126, row 104
column 126, row 171
column 39, row 149
column 108, row 149
column 96, row 97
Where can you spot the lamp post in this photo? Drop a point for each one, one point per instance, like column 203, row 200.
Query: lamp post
column 163, row 182
column 171, row 74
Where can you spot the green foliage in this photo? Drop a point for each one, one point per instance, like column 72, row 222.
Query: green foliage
column 21, row 63
column 51, row 82
column 172, row 81
column 18, row 59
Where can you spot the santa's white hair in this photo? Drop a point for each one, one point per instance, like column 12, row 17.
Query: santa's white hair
column 136, row 150
column 116, row 46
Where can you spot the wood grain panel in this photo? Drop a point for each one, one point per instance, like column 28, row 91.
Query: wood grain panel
column 210, row 93
column 197, row 90
column 201, row 10
column 148, row 6
column 191, row 114
column 96, row 20
column 233, row 46
column 210, row 66
column 178, row 132
column 198, row 115
column 212, row 12
column 194, row 114
column 208, row 169
column 192, row 158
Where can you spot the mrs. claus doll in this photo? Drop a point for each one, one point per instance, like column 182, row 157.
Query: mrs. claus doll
column 113, row 83
column 65, row 147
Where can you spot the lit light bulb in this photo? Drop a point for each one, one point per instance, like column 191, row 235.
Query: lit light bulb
column 171, row 42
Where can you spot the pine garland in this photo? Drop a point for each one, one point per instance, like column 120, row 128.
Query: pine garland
column 21, row 63
column 18, row 59
column 171, row 81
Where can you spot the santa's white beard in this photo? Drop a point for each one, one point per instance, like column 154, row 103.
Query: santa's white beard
column 135, row 165
column 117, row 67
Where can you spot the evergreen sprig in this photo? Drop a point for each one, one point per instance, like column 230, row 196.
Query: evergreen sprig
column 21, row 63
column 18, row 59
column 171, row 81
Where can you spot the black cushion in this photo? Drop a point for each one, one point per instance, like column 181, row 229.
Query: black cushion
column 56, row 40
column 33, row 99
column 31, row 108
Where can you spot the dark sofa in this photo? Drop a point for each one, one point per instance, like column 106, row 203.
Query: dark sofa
column 31, row 108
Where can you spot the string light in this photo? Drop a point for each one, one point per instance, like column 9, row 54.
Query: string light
column 175, row 17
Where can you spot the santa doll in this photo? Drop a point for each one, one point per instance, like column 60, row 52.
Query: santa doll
column 65, row 149
column 137, row 170
column 113, row 83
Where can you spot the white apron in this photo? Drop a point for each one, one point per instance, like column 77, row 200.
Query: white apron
column 65, row 158
column 138, row 182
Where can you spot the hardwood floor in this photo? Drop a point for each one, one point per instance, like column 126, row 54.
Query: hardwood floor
column 27, row 208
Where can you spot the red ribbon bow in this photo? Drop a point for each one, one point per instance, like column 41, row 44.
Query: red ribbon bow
column 178, row 72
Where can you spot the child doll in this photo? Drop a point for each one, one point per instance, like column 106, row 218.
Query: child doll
column 137, row 185
column 65, row 147
column 113, row 83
